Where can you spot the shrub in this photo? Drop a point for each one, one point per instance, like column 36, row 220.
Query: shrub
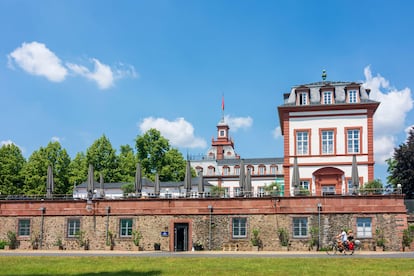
column 3, row 243
column 255, row 238
column 13, row 242
column 136, row 237
column 283, row 236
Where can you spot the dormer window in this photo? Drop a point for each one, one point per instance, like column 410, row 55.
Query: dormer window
column 352, row 96
column 352, row 93
column 303, row 98
column 327, row 97
column 302, row 95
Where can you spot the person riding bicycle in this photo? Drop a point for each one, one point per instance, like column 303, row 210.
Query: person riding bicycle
column 350, row 242
column 342, row 239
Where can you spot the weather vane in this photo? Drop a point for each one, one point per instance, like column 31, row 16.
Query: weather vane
column 323, row 74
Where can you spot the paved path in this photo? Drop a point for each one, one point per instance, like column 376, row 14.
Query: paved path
column 207, row 254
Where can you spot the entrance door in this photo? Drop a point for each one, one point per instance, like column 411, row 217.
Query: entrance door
column 181, row 237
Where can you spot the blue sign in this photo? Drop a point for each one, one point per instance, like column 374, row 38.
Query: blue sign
column 164, row 234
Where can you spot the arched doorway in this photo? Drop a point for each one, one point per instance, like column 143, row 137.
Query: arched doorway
column 328, row 181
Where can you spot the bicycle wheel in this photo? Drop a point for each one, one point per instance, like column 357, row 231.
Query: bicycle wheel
column 332, row 249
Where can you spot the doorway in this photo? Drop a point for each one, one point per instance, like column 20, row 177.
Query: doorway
column 180, row 236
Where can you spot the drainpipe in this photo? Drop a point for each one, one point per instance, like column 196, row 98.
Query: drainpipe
column 210, row 208
column 42, row 210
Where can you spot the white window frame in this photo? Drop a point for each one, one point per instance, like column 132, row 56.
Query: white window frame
column 236, row 170
column 239, row 227
column 302, row 142
column 327, row 97
column 300, row 227
column 226, row 170
column 73, row 227
column 303, row 98
column 305, row 184
column 262, row 170
column 352, row 96
column 125, row 227
column 236, row 191
column 353, row 140
column 328, row 141
column 364, row 227
column 226, row 192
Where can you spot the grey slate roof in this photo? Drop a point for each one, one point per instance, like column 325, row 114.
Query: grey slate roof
column 145, row 183
column 251, row 161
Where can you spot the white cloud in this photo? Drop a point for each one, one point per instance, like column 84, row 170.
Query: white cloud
column 389, row 119
column 10, row 142
column 6, row 143
column 277, row 132
column 102, row 73
column 238, row 122
column 407, row 130
column 125, row 71
column 55, row 139
column 180, row 133
column 36, row 59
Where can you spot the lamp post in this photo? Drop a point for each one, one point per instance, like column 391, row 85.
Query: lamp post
column 210, row 208
column 319, row 224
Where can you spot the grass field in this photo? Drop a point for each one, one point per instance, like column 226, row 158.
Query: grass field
column 114, row 266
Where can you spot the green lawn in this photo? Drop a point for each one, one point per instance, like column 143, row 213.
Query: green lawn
column 12, row 265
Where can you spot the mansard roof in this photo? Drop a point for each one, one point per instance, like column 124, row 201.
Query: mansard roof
column 145, row 183
column 314, row 89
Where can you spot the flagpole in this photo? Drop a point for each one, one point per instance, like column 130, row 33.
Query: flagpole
column 222, row 107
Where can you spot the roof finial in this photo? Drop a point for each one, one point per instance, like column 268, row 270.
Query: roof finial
column 323, row 74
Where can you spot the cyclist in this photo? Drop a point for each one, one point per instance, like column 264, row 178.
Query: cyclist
column 342, row 238
column 350, row 240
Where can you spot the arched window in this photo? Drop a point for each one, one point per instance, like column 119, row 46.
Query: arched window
column 226, row 170
column 211, row 170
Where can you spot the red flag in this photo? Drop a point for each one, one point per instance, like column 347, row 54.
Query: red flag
column 222, row 103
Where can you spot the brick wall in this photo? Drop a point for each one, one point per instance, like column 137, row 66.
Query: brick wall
column 153, row 216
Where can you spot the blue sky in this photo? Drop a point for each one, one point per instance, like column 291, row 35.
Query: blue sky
column 74, row 70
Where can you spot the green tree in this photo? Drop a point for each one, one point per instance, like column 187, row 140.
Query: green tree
column 35, row 170
column 156, row 155
column 104, row 159
column 374, row 186
column 391, row 166
column 78, row 169
column 174, row 166
column 403, row 168
column 11, row 165
column 126, row 164
column 151, row 149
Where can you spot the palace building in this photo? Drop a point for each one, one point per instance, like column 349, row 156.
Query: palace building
column 328, row 138
column 328, row 156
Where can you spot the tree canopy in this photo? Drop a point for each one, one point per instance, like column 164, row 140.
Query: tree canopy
column 11, row 165
column 156, row 155
column 35, row 170
column 402, row 168
column 104, row 159
column 21, row 176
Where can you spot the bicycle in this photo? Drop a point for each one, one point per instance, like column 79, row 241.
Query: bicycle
column 348, row 248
